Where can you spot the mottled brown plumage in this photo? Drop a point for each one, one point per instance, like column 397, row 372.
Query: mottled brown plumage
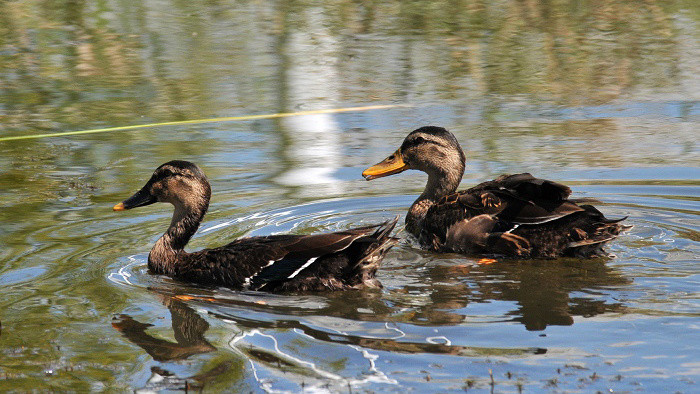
column 512, row 215
column 279, row 263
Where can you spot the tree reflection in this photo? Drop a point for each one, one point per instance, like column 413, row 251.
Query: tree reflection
column 64, row 59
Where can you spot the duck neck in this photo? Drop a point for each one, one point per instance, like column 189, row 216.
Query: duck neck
column 169, row 249
column 440, row 183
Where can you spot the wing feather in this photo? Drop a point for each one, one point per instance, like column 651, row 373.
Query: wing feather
column 512, row 199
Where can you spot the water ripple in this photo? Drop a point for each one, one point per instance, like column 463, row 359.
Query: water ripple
column 446, row 305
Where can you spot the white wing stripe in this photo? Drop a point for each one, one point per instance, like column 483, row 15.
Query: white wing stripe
column 308, row 263
column 246, row 281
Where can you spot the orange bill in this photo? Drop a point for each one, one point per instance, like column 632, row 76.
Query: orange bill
column 389, row 166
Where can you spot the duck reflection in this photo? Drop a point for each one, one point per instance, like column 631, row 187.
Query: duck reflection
column 291, row 334
column 546, row 292
column 188, row 327
column 543, row 293
column 543, row 290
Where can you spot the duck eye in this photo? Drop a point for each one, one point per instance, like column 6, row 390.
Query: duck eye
column 419, row 140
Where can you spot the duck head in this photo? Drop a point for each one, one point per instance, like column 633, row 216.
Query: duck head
column 430, row 149
column 178, row 182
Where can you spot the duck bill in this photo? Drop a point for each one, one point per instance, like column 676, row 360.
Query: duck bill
column 389, row 166
column 139, row 199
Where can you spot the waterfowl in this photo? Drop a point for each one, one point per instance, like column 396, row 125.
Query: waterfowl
column 513, row 215
column 276, row 263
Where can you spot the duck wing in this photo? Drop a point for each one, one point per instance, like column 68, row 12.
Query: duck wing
column 518, row 215
column 255, row 262
column 299, row 252
column 511, row 199
column 524, row 199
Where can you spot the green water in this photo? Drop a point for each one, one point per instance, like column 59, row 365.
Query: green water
column 603, row 96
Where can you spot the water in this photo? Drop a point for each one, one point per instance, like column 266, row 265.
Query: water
column 603, row 97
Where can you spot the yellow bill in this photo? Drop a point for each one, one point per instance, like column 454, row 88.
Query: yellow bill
column 389, row 166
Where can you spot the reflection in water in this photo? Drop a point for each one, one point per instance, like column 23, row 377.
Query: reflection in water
column 309, row 79
column 188, row 328
column 542, row 290
column 281, row 349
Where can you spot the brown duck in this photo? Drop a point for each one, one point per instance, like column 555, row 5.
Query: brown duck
column 513, row 215
column 278, row 263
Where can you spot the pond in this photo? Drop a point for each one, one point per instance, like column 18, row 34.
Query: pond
column 603, row 96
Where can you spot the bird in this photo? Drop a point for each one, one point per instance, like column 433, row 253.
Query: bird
column 276, row 263
column 511, row 216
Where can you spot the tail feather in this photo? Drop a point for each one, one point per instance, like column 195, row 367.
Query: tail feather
column 379, row 244
column 385, row 229
column 592, row 237
column 591, row 241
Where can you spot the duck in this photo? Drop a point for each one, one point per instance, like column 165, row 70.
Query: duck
column 339, row 260
column 511, row 216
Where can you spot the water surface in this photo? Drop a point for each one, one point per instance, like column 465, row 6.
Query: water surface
column 602, row 96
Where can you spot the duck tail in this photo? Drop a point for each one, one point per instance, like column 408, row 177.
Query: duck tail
column 588, row 239
column 374, row 248
column 384, row 229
